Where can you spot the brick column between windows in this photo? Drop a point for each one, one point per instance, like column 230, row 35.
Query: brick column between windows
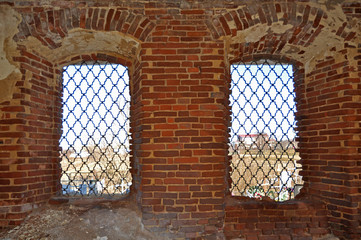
column 184, row 133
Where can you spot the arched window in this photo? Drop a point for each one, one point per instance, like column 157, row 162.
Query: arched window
column 95, row 139
column 263, row 142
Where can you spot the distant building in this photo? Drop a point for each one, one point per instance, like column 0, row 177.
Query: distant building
column 254, row 141
column 263, row 141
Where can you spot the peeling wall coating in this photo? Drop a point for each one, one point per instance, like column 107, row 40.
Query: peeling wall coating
column 9, row 20
column 8, row 28
column 255, row 33
column 79, row 41
column 327, row 43
column 179, row 54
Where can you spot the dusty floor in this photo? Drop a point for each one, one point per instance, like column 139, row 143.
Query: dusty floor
column 86, row 222
column 64, row 222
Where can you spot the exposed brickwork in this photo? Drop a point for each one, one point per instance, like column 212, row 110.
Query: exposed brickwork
column 307, row 22
column 184, row 145
column 28, row 140
column 331, row 137
column 50, row 25
column 180, row 114
column 268, row 220
column 30, row 131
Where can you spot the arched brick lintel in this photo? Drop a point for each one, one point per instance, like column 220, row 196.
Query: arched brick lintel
column 298, row 15
column 85, row 43
column 97, row 56
column 298, row 24
column 50, row 26
column 260, row 56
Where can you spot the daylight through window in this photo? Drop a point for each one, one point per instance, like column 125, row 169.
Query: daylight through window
column 95, row 139
column 263, row 139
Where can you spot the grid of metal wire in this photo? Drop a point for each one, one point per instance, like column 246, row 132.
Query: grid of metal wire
column 95, row 139
column 262, row 143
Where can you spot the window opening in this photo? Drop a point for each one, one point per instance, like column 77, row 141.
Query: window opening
column 95, row 155
column 263, row 142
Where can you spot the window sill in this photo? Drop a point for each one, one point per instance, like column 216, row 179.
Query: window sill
column 91, row 200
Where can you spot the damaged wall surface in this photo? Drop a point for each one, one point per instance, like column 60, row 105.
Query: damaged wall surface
column 179, row 55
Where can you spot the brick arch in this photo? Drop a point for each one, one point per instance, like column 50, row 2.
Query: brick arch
column 306, row 23
column 274, row 57
column 97, row 56
column 243, row 18
column 49, row 26
column 83, row 43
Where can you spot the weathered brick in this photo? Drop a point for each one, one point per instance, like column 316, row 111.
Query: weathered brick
column 180, row 108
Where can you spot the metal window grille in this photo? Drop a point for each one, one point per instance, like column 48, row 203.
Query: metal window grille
column 262, row 143
column 95, row 139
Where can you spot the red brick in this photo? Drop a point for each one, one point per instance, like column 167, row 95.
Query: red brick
column 180, row 103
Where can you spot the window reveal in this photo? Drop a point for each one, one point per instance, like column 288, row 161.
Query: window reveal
column 95, row 157
column 263, row 142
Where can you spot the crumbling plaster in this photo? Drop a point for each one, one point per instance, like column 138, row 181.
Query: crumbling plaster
column 327, row 43
column 80, row 41
column 77, row 42
column 9, row 71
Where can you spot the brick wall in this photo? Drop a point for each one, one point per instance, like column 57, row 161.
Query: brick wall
column 331, row 135
column 270, row 220
column 179, row 54
column 28, row 140
column 184, row 137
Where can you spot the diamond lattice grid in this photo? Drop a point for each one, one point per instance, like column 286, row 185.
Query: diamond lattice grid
column 95, row 140
column 262, row 144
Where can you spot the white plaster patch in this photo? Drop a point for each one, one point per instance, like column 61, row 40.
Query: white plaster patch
column 255, row 33
column 80, row 41
column 327, row 43
column 9, row 20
